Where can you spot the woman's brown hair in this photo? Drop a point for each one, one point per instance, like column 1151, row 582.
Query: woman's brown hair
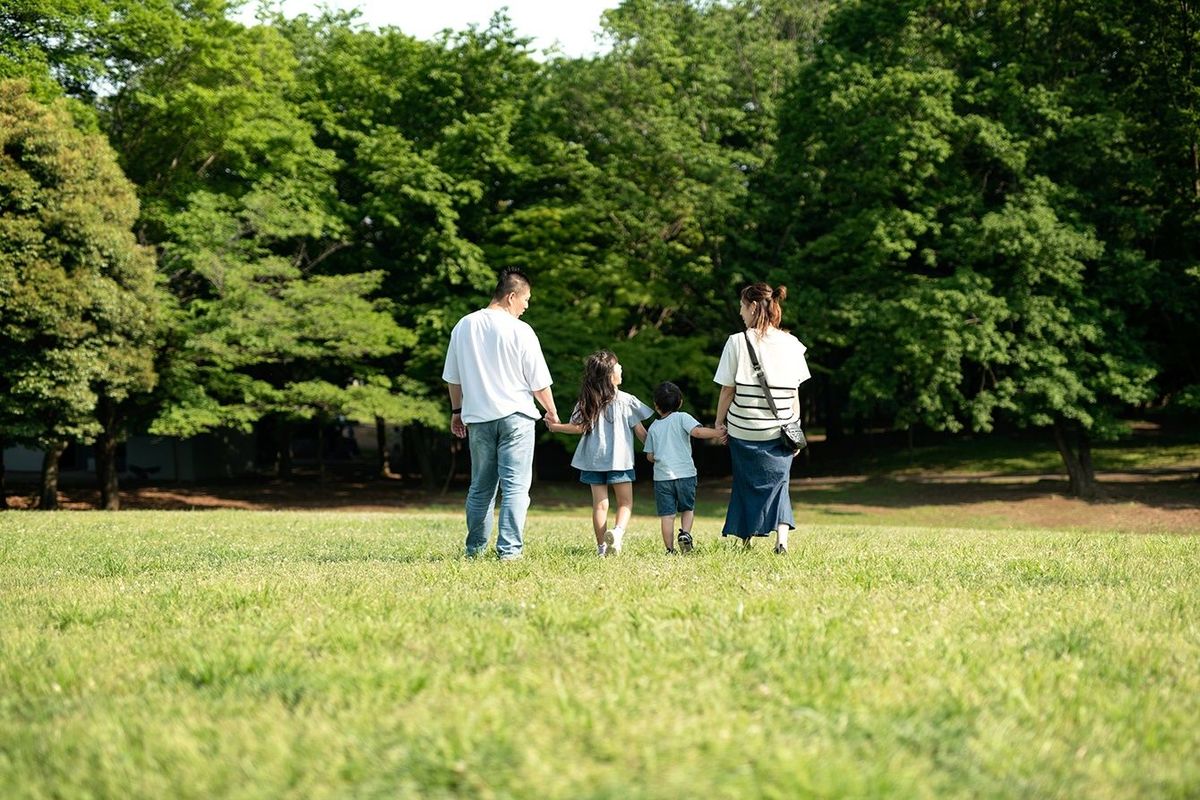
column 763, row 301
column 597, row 391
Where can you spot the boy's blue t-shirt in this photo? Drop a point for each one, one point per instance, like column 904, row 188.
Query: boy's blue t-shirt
column 670, row 439
column 608, row 446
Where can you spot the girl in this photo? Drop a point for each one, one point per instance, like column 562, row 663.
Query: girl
column 607, row 419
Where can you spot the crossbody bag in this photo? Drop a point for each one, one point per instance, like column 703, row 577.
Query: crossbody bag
column 790, row 433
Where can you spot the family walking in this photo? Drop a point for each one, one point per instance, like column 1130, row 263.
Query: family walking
column 495, row 371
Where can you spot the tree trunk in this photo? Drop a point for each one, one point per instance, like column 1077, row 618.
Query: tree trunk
column 48, row 494
column 1085, row 460
column 106, row 456
column 1070, row 438
column 385, row 456
column 427, row 447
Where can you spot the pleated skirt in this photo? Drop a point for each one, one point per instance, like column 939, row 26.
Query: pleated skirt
column 759, row 502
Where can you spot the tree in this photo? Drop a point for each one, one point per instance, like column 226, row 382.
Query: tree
column 243, row 208
column 673, row 122
column 78, row 296
column 923, row 195
column 431, row 139
column 1152, row 75
column 58, row 47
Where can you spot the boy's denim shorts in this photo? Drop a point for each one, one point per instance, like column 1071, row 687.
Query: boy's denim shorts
column 671, row 497
column 593, row 478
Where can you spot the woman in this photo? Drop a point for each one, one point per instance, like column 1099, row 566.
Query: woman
column 762, row 464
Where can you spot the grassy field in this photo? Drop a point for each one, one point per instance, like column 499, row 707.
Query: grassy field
column 242, row 654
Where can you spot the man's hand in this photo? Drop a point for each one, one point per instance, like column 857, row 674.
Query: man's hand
column 551, row 417
column 457, row 426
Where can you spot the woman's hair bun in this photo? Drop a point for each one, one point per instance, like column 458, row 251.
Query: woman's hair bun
column 779, row 293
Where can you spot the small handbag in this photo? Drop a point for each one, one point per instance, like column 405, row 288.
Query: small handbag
column 790, row 433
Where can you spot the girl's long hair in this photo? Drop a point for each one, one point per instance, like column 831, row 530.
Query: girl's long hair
column 597, row 391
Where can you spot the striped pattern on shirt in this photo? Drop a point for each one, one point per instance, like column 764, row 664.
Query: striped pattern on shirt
column 750, row 411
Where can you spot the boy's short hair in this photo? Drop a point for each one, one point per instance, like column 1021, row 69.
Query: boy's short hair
column 667, row 397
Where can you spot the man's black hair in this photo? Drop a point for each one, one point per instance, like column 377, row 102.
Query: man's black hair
column 667, row 397
column 512, row 279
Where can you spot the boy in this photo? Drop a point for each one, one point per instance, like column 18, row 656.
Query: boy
column 669, row 448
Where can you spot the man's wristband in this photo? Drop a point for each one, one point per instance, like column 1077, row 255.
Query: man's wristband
column 456, row 410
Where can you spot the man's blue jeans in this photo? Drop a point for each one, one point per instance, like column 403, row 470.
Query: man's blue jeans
column 501, row 457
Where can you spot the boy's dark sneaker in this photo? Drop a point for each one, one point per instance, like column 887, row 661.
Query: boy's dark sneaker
column 781, row 550
column 685, row 541
column 670, row 551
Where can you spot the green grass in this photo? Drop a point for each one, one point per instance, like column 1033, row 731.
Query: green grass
column 234, row 654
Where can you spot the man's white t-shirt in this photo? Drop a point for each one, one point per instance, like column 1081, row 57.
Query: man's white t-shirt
column 782, row 358
column 498, row 361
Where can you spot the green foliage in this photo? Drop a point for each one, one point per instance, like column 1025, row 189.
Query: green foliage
column 79, row 302
column 673, row 122
column 424, row 138
column 57, row 46
column 986, row 212
column 953, row 268
column 244, row 207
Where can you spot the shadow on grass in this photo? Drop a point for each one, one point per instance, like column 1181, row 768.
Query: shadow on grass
column 841, row 496
column 1171, row 492
column 1174, row 490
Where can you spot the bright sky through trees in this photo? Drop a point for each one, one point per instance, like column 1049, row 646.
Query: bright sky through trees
column 571, row 23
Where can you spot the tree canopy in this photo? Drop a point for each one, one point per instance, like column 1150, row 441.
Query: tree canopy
column 986, row 212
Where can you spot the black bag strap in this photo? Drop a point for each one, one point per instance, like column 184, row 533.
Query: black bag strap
column 762, row 378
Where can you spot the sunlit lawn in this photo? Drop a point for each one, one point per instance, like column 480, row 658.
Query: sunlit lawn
column 238, row 654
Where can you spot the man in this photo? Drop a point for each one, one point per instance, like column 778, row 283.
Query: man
column 494, row 371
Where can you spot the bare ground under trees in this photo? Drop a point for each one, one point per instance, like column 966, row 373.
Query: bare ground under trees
column 1135, row 501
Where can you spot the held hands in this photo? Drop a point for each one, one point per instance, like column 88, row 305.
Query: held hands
column 551, row 420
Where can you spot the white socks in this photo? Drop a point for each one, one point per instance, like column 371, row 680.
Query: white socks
column 782, row 536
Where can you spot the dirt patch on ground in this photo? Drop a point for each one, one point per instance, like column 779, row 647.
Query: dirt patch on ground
column 1166, row 501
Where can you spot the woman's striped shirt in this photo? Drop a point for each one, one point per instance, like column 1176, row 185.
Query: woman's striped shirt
column 782, row 358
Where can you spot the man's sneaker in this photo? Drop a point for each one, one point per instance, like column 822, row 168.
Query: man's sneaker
column 781, row 549
column 685, row 541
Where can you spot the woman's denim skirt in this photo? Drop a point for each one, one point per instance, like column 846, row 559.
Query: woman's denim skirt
column 759, row 502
